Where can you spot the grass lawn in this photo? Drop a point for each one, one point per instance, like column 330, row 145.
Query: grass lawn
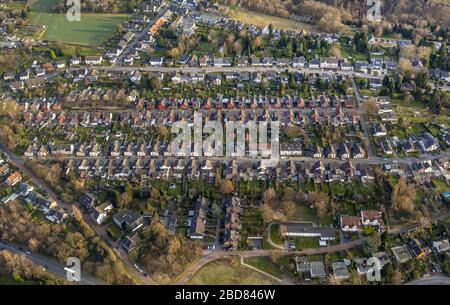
column 326, row 220
column 92, row 30
column 265, row 264
column 222, row 272
column 263, row 20
column 441, row 186
column 306, row 242
column 114, row 231
column 303, row 213
column 275, row 234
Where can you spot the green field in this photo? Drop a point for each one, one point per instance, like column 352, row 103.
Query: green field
column 222, row 272
column 306, row 242
column 265, row 264
column 92, row 30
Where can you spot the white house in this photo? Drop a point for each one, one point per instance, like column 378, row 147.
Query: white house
column 93, row 60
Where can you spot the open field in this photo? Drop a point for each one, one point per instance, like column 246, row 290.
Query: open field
column 260, row 19
column 303, row 213
column 306, row 242
column 222, row 272
column 265, row 264
column 417, row 112
column 92, row 30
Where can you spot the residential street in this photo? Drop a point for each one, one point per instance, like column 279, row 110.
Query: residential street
column 20, row 163
column 432, row 280
column 50, row 265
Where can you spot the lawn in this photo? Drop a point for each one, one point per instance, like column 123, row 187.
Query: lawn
column 306, row 242
column 114, row 231
column 275, row 235
column 224, row 272
column 265, row 264
column 303, row 213
column 92, row 30
column 441, row 186
column 263, row 20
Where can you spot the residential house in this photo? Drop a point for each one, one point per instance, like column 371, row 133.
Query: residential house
column 401, row 254
column 372, row 218
column 13, row 179
column 128, row 220
column 350, row 223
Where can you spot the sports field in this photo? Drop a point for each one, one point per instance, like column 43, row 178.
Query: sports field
column 92, row 30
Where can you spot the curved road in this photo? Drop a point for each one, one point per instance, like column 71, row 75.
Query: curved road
column 253, row 253
column 433, row 280
column 49, row 265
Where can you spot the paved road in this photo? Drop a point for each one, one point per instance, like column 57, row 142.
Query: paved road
column 131, row 45
column 362, row 111
column 432, row 280
column 49, row 264
column 20, row 163
column 370, row 160
column 254, row 253
column 185, row 69
column 322, row 250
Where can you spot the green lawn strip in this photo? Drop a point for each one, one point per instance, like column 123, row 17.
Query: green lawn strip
column 275, row 235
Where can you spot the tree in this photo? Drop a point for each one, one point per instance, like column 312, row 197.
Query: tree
column 9, row 107
column 33, row 244
column 402, row 197
column 216, row 210
column 335, row 50
column 319, row 201
column 446, row 266
column 127, row 195
column 267, row 213
column 269, row 196
column 226, row 187
column 408, row 51
column 288, row 208
column 405, row 67
column 371, row 106
column 77, row 213
column 373, row 243
column 52, row 54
